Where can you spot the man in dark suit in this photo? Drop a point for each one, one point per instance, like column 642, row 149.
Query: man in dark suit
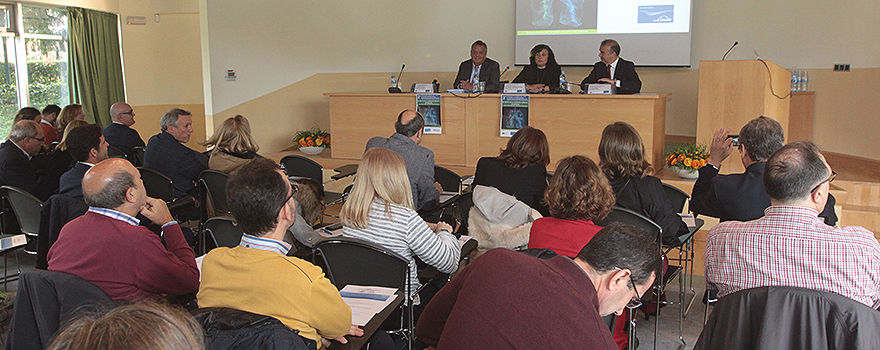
column 119, row 134
column 479, row 65
column 742, row 197
column 167, row 154
column 611, row 69
column 87, row 146
column 16, row 169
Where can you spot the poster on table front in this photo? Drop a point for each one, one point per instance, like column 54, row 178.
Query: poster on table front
column 429, row 106
column 514, row 113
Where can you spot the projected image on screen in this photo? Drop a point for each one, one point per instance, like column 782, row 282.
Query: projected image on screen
column 650, row 32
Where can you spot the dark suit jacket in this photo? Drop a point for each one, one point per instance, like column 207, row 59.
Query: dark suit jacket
column 626, row 73
column 490, row 72
column 419, row 163
column 16, row 169
column 123, row 138
column 173, row 159
column 532, row 75
column 71, row 182
column 739, row 197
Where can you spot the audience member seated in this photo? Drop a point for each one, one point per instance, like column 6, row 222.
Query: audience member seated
column 70, row 113
column 108, row 248
column 622, row 159
column 167, row 154
column 380, row 210
column 60, row 161
column 119, row 133
column 16, row 169
column 742, row 197
column 27, row 113
column 499, row 220
column 232, row 145
column 542, row 73
column 419, row 160
column 85, row 144
column 256, row 276
column 309, row 200
column 507, row 299
column 790, row 245
column 520, row 170
column 138, row 326
column 47, row 121
column 577, row 195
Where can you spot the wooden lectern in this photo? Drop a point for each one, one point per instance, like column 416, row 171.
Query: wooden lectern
column 734, row 92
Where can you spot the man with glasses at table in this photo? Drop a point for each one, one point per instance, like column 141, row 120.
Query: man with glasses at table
column 790, row 245
column 507, row 299
column 16, row 169
column 119, row 133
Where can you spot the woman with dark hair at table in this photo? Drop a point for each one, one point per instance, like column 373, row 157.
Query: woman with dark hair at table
column 578, row 194
column 542, row 73
column 622, row 159
column 521, row 168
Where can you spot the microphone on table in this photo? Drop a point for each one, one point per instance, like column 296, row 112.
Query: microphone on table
column 728, row 50
column 502, row 73
column 396, row 89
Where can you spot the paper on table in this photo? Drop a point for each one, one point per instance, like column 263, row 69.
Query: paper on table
column 366, row 301
column 688, row 219
column 447, row 195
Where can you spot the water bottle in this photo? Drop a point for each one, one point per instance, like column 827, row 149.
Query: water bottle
column 563, row 84
column 393, row 80
column 805, row 81
column 794, row 81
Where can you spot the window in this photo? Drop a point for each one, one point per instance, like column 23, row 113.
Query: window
column 33, row 60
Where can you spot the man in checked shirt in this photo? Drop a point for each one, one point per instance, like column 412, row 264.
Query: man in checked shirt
column 791, row 245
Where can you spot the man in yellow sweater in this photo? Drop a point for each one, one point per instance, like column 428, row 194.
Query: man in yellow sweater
column 257, row 276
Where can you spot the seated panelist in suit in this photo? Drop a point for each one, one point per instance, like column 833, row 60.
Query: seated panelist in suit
column 611, row 69
column 86, row 144
column 479, row 66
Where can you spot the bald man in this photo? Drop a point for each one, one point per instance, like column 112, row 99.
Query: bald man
column 419, row 160
column 119, row 133
column 108, row 248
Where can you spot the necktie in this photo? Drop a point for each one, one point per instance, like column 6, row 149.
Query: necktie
column 609, row 72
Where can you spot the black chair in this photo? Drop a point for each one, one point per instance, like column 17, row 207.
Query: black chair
column 780, row 317
column 212, row 195
column 157, row 184
column 685, row 249
column 450, row 181
column 57, row 211
column 630, row 217
column 221, row 231
column 354, row 261
column 139, row 155
column 114, row 152
column 299, row 166
column 45, row 301
column 27, row 211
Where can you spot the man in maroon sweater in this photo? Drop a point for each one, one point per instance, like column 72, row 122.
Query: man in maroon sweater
column 510, row 300
column 108, row 248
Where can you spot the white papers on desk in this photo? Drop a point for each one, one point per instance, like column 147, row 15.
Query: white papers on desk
column 447, row 195
column 463, row 239
column 469, row 181
column 366, row 301
column 688, row 219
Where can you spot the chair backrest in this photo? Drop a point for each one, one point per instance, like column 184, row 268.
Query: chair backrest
column 355, row 261
column 214, row 183
column 157, row 184
column 677, row 197
column 222, row 231
column 114, row 152
column 26, row 207
column 630, row 217
column 789, row 318
column 301, row 166
column 227, row 328
column 448, row 179
column 139, row 155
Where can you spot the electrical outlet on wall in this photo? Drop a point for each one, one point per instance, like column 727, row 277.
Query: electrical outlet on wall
column 841, row 67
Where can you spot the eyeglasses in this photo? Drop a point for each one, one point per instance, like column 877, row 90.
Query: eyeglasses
column 830, row 178
column 38, row 139
column 636, row 300
column 129, row 112
column 293, row 189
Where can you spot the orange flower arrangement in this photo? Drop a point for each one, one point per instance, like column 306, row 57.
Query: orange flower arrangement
column 314, row 137
column 688, row 157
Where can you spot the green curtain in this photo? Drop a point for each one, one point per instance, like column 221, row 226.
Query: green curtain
column 95, row 62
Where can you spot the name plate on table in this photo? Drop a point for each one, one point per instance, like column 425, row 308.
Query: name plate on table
column 600, row 89
column 514, row 88
column 423, row 88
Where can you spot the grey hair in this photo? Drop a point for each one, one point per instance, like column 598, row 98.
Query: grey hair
column 171, row 117
column 113, row 194
column 23, row 129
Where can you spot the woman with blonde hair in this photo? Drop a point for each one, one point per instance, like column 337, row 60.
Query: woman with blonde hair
column 232, row 145
column 380, row 210
column 622, row 159
column 578, row 194
column 68, row 114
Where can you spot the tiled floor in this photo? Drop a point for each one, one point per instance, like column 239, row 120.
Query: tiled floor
column 667, row 335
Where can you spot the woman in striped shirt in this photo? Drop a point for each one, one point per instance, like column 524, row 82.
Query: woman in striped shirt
column 380, row 210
